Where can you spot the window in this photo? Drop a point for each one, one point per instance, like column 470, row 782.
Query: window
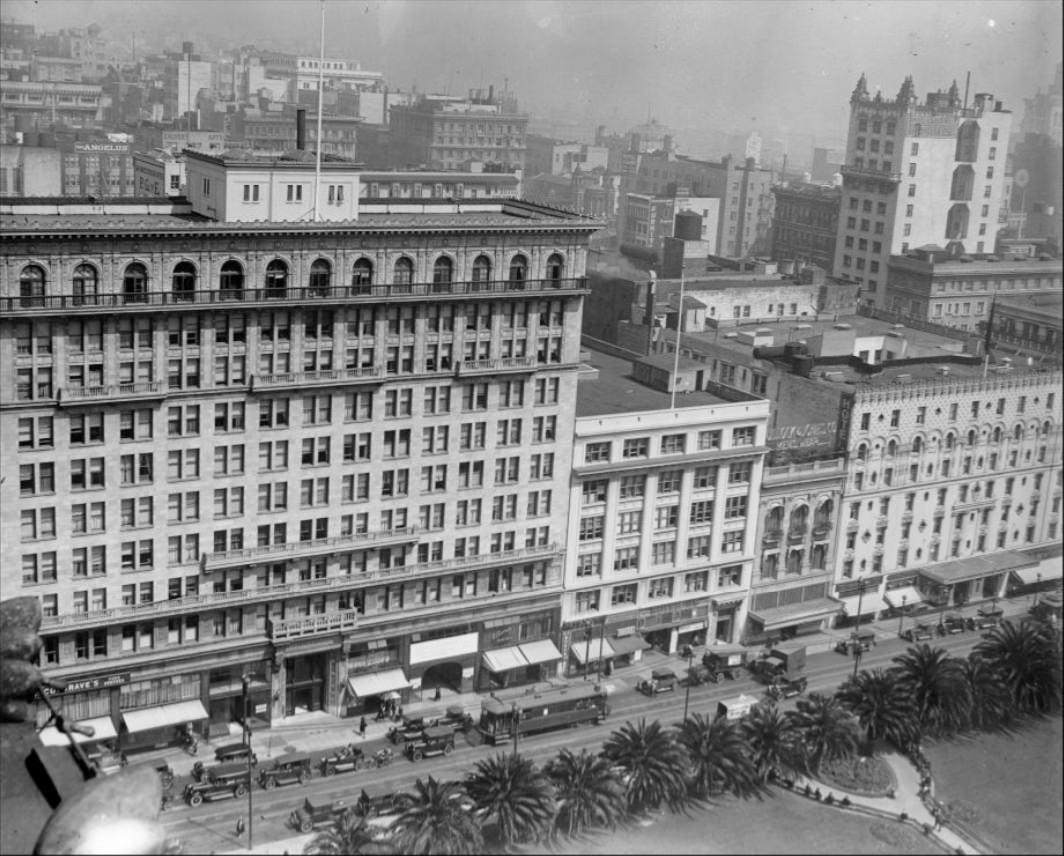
column 735, row 507
column 708, row 440
column 666, row 517
column 591, row 528
column 38, row 568
column 595, row 491
column 544, row 428
column 673, row 444
column 85, row 285
column 740, row 473
column 518, row 270
column 86, row 429
column 730, row 575
column 732, row 543
column 663, row 553
column 86, row 473
column 589, row 565
column 743, row 436
column 701, row 512
column 135, row 283
column 182, row 464
column 35, row 432
column 273, row 413
column 597, row 452
column 587, row 601
column 706, row 477
column 137, row 555
column 36, row 479
column 636, row 448
column 403, row 272
column 183, row 421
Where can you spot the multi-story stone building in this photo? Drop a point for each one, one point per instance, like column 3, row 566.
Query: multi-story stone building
column 916, row 174
column 330, row 453
column 661, row 544
column 805, row 223
column 28, row 105
column 445, row 132
column 931, row 286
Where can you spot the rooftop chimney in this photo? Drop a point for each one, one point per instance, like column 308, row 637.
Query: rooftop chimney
column 301, row 129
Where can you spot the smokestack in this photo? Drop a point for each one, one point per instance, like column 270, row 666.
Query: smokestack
column 491, row 93
column 301, row 129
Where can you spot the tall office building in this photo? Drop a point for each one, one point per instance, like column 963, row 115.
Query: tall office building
column 918, row 174
column 330, row 454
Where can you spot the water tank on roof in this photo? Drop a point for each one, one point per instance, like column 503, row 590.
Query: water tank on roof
column 795, row 349
column 802, row 365
column 787, row 268
column 688, row 226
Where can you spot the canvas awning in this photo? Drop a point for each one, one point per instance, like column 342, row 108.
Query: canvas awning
column 543, row 651
column 504, row 659
column 796, row 613
column 1032, row 575
column 910, row 594
column 580, row 650
column 163, row 715
column 446, row 648
column 626, row 644
column 869, row 602
column 377, row 683
column 103, row 728
column 974, row 567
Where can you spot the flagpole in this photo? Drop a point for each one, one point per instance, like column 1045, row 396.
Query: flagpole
column 321, row 99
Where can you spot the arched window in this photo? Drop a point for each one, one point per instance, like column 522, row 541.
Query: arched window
column 822, row 519
column 555, row 268
column 276, row 278
column 794, row 561
column 1046, row 426
column 774, row 521
column 972, row 437
column 862, row 452
column 997, row 435
column 135, row 284
column 918, row 444
column 481, row 269
column 950, row 439
column 362, row 276
column 518, row 270
column 799, row 519
column 1017, row 432
column 320, row 278
column 183, row 281
column 442, row 272
column 892, row 448
column 231, row 281
column 770, row 566
column 403, row 273
column 31, row 285
column 86, row 284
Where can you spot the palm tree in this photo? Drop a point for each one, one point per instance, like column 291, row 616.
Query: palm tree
column 351, row 836
column 773, row 739
column 655, row 765
column 720, row 757
column 827, row 730
column 882, row 706
column 991, row 701
column 1028, row 657
column 513, row 797
column 935, row 682
column 588, row 790
column 438, row 819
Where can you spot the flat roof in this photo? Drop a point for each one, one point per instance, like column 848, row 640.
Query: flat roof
column 616, row 391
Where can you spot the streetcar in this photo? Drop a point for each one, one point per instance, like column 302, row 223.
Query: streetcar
column 542, row 711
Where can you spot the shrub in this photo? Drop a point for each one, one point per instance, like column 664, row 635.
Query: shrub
column 845, row 802
column 927, row 829
column 903, row 816
column 829, row 799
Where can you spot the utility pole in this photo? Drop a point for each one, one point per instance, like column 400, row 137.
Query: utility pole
column 246, row 683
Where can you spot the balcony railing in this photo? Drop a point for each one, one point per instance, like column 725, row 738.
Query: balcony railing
column 311, row 625
column 319, row 378
column 865, row 172
column 270, row 552
column 285, row 296
column 821, row 531
column 771, row 538
column 110, row 392
column 499, row 365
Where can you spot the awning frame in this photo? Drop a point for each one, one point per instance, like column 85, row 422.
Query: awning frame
column 540, row 651
column 377, row 683
column 578, row 650
column 163, row 715
column 104, row 728
column 499, row 660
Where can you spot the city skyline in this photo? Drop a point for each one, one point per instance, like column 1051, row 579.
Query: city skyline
column 592, row 79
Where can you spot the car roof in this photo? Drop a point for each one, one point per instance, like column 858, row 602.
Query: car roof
column 292, row 758
column 231, row 747
column 438, row 731
column 227, row 769
column 660, row 674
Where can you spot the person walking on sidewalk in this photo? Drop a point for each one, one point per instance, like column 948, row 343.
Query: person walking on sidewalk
column 362, row 728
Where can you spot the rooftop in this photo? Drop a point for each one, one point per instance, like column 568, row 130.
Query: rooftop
column 616, row 391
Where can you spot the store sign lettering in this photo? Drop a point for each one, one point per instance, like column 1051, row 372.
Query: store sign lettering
column 98, row 683
column 801, row 436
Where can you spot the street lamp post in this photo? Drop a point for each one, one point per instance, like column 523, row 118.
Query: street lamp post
column 587, row 650
column 516, row 723
column 687, row 691
column 860, row 597
column 901, row 618
column 246, row 683
column 857, row 634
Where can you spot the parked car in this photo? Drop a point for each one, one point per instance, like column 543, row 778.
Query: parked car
column 862, row 640
column 455, row 718
column 918, row 633
column 724, row 661
column 660, row 681
column 314, row 813
column 383, row 757
column 953, row 623
column 988, row 618
column 220, row 783
column 409, row 729
column 233, row 753
column 290, row 769
column 434, row 741
column 347, row 760
column 380, row 804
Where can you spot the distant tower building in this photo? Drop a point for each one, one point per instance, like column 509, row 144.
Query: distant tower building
column 753, row 147
column 918, row 174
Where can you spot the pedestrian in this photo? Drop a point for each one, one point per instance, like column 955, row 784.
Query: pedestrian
column 362, row 728
column 437, row 696
column 399, row 712
column 240, row 826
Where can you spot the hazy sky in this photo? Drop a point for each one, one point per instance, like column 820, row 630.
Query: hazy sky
column 768, row 64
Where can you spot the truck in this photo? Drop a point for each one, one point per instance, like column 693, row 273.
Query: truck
column 784, row 670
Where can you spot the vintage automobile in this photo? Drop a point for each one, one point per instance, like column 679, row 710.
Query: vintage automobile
column 724, row 661
column 220, row 783
column 231, row 753
column 783, row 688
column 454, row 718
column 660, row 681
column 953, row 623
column 379, row 804
column 383, row 757
column 918, row 633
column 293, row 768
column 862, row 640
column 314, row 813
column 408, row 730
column 736, row 708
column 434, row 741
column 347, row 760
column 987, row 618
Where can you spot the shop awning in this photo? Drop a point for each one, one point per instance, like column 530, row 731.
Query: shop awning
column 377, row 683
column 1032, row 575
column 543, row 651
column 911, row 596
column 447, row 648
column 627, row 644
column 163, row 715
column 869, row 602
column 974, row 567
column 796, row 613
column 103, row 727
column 580, row 650
column 504, row 659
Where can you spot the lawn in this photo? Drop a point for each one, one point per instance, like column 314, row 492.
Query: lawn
column 1008, row 786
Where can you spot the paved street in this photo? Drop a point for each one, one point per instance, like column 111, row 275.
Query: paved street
column 212, row 826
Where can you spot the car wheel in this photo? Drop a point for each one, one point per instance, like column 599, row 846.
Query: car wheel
column 306, row 826
column 448, row 749
column 303, row 778
column 195, row 800
column 239, row 791
column 269, row 784
column 416, row 755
